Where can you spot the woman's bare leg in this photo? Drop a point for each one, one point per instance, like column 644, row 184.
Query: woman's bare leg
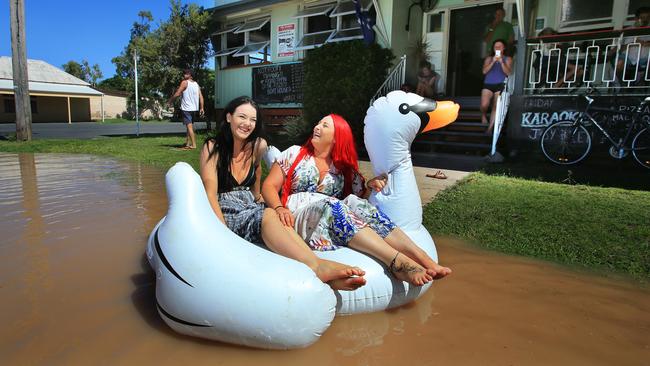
column 400, row 241
column 493, row 113
column 351, row 282
column 403, row 267
column 486, row 97
column 280, row 240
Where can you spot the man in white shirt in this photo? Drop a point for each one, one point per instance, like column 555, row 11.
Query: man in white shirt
column 191, row 102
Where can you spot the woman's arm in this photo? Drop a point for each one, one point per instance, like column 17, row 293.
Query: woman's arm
column 507, row 66
column 208, row 171
column 262, row 147
column 376, row 184
column 433, row 80
column 270, row 191
column 487, row 64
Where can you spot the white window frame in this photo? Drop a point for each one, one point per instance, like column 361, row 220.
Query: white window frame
column 617, row 20
column 321, row 9
column 240, row 27
column 314, row 45
column 332, row 7
column 333, row 37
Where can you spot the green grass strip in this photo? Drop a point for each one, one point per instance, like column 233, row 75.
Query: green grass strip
column 583, row 226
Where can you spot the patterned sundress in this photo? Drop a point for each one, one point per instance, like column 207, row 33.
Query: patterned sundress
column 242, row 213
column 323, row 218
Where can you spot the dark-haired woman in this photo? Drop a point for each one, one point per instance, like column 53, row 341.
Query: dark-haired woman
column 496, row 69
column 231, row 173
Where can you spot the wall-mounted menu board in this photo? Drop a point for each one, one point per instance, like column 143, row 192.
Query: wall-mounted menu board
column 278, row 83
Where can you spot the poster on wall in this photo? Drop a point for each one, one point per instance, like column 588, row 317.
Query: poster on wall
column 286, row 37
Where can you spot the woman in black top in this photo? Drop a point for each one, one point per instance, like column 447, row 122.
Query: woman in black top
column 231, row 174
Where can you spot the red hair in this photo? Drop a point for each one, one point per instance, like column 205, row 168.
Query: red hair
column 344, row 156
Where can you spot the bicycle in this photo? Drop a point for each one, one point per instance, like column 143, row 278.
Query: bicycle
column 569, row 142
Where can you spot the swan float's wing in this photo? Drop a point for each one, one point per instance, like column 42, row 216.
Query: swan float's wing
column 210, row 283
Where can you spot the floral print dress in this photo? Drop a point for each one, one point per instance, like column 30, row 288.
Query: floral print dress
column 323, row 218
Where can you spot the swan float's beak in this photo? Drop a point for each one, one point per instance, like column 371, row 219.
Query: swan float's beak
column 434, row 115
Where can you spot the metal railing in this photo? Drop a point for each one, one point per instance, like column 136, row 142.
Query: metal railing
column 611, row 62
column 394, row 80
column 501, row 110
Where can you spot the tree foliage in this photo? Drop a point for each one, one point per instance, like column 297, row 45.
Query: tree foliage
column 116, row 82
column 180, row 42
column 341, row 78
column 83, row 71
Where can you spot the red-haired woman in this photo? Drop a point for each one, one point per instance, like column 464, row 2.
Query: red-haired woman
column 323, row 199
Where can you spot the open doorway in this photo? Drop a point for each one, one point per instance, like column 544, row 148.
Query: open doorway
column 467, row 49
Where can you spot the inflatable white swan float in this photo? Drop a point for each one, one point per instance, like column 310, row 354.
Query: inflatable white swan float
column 210, row 283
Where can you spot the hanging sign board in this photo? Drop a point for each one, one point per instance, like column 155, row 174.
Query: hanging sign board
column 286, row 38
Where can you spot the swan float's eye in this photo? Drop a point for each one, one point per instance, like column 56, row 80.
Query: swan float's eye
column 404, row 108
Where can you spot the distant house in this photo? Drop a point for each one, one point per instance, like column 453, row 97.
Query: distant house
column 55, row 95
column 115, row 105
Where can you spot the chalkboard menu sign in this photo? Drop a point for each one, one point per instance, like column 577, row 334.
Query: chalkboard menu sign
column 278, row 83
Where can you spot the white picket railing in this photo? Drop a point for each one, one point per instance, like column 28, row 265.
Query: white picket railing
column 615, row 64
column 394, row 80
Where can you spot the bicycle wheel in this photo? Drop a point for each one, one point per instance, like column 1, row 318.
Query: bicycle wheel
column 641, row 147
column 565, row 142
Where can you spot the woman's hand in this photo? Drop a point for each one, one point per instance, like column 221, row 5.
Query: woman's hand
column 286, row 217
column 378, row 183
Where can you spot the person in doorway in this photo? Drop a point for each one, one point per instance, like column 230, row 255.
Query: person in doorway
column 427, row 80
column 496, row 69
column 317, row 189
column 499, row 29
column 231, row 173
column 191, row 103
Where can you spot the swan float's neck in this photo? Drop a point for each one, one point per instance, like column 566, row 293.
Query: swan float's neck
column 400, row 200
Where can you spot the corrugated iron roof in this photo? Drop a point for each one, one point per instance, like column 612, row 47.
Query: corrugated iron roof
column 40, row 71
column 52, row 88
column 45, row 78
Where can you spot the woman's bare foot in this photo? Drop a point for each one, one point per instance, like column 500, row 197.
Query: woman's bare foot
column 328, row 271
column 432, row 268
column 407, row 270
column 437, row 271
column 347, row 284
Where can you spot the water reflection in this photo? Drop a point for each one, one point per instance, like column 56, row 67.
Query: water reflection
column 37, row 272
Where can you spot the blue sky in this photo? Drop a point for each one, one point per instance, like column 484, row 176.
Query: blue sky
column 60, row 31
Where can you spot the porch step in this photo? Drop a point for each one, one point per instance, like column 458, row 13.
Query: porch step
column 458, row 133
column 473, row 145
column 455, row 161
column 472, row 148
column 465, row 123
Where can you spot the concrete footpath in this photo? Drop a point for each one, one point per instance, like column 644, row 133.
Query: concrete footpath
column 428, row 187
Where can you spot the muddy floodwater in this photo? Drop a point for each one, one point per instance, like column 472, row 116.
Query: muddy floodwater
column 75, row 289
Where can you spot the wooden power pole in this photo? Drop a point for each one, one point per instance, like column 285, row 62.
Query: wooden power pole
column 19, row 69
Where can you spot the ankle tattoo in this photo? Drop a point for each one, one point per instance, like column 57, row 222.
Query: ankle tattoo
column 403, row 267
